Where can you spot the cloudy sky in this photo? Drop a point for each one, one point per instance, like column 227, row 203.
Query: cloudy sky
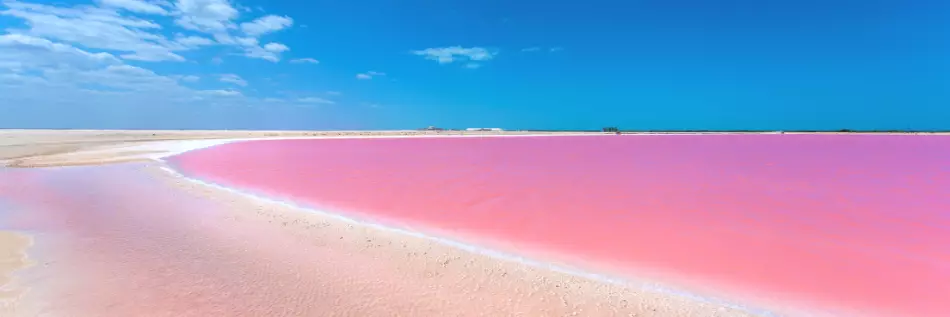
column 330, row 64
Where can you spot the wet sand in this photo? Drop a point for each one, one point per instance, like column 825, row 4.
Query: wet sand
column 13, row 247
column 133, row 240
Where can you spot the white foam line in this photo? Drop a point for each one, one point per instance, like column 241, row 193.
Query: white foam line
column 483, row 251
column 191, row 145
column 182, row 146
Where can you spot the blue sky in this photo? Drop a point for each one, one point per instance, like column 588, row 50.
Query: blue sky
column 648, row 64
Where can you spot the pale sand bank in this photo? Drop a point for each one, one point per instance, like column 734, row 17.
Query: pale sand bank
column 51, row 148
column 13, row 257
column 498, row 287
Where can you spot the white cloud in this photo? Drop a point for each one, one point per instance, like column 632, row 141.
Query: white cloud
column 31, row 67
column 221, row 92
column 193, row 41
column 95, row 28
column 217, row 60
column 14, row 79
column 270, row 52
column 18, row 51
column 305, row 61
column 216, row 17
column 137, row 6
column 446, row 55
column 117, row 77
column 276, row 47
column 473, row 65
column 315, row 100
column 223, row 38
column 189, row 78
column 105, row 28
column 246, row 41
column 81, row 51
column 252, row 48
column 266, row 24
column 232, row 78
column 538, row 49
column 205, row 15
column 369, row 75
column 260, row 52
column 333, row 93
column 85, row 13
column 155, row 56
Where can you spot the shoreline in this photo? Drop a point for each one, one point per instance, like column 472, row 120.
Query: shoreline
column 125, row 151
column 562, row 268
column 192, row 131
column 14, row 259
column 61, row 148
column 671, row 302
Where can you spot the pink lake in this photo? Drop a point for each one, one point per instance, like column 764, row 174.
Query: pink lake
column 828, row 222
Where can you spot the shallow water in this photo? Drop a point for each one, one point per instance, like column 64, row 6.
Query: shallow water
column 128, row 240
column 113, row 241
column 823, row 221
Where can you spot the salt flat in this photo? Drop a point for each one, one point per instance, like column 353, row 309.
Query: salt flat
column 47, row 148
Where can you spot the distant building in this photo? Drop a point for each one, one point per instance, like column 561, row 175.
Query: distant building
column 432, row 128
column 483, row 129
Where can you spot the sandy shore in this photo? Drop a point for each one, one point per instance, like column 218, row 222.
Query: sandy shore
column 50, row 148
column 412, row 275
column 502, row 287
column 13, row 257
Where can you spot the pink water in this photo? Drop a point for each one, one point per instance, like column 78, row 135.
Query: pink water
column 824, row 221
column 117, row 241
